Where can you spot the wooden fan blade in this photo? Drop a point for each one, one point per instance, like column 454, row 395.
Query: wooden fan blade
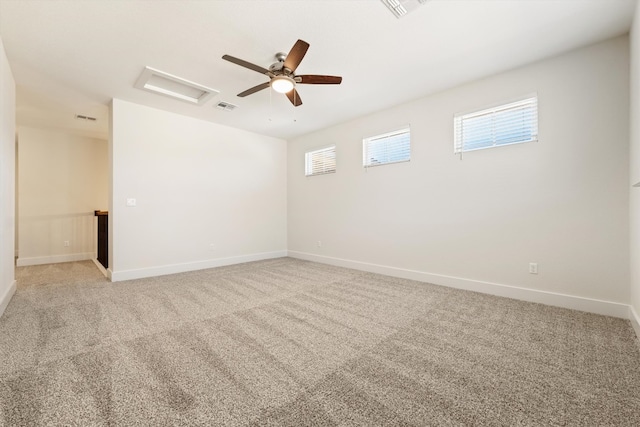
column 320, row 80
column 295, row 55
column 294, row 97
column 245, row 64
column 254, row 89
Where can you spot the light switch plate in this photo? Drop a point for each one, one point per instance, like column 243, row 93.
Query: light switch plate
column 131, row 202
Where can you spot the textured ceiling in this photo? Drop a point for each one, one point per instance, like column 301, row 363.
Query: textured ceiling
column 72, row 57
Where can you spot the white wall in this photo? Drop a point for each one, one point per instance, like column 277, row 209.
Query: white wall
column 196, row 184
column 7, row 180
column 634, row 155
column 477, row 223
column 62, row 180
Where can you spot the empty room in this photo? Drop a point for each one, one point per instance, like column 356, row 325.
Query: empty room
column 320, row 212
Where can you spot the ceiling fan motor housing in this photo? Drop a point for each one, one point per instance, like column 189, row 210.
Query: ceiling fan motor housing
column 277, row 67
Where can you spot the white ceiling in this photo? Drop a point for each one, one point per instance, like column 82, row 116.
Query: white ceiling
column 71, row 57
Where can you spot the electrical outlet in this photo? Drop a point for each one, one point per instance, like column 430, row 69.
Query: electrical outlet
column 319, row 243
column 533, row 268
column 212, row 247
column 66, row 243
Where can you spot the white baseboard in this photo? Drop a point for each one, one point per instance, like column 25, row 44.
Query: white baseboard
column 635, row 321
column 100, row 267
column 53, row 259
column 4, row 299
column 607, row 308
column 117, row 276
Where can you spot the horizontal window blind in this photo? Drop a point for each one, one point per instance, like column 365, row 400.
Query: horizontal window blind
column 320, row 161
column 390, row 147
column 502, row 125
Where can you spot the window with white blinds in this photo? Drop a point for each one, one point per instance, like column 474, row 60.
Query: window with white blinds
column 320, row 161
column 391, row 147
column 506, row 124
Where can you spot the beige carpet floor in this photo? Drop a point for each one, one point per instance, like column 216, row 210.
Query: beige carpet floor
column 286, row 342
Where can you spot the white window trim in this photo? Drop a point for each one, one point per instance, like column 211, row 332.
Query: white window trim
column 307, row 157
column 457, row 148
column 397, row 131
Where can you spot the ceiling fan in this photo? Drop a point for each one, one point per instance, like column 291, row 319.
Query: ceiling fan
column 282, row 77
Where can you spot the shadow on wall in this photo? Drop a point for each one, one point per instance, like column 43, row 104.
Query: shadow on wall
column 57, row 238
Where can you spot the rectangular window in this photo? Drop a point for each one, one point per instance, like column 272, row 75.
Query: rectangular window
column 321, row 161
column 506, row 124
column 392, row 147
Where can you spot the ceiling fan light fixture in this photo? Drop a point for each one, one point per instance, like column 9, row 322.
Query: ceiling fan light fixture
column 282, row 77
column 282, row 84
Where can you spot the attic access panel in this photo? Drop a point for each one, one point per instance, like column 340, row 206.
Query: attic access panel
column 162, row 83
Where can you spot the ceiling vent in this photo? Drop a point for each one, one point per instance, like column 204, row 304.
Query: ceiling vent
column 225, row 106
column 401, row 7
column 87, row 118
column 166, row 84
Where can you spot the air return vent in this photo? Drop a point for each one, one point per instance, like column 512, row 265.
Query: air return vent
column 401, row 7
column 225, row 106
column 87, row 118
column 166, row 84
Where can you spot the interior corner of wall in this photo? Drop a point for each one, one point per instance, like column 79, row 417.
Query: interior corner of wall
column 634, row 318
